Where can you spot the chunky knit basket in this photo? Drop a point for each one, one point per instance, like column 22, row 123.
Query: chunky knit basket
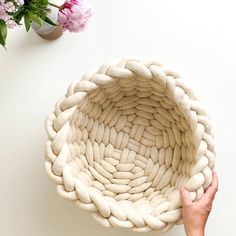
column 124, row 140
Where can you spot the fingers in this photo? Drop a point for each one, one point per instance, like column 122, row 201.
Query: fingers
column 211, row 191
column 185, row 197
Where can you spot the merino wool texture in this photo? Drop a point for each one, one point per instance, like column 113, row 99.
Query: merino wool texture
column 124, row 140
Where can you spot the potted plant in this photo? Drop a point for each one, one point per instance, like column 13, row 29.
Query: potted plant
column 48, row 19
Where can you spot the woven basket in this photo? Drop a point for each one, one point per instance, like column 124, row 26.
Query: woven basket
column 124, row 140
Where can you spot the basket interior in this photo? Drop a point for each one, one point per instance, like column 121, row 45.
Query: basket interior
column 130, row 141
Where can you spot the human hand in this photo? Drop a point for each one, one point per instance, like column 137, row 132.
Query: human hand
column 195, row 214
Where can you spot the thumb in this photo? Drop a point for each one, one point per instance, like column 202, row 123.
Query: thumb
column 185, row 197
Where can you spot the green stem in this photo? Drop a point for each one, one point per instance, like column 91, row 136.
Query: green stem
column 54, row 5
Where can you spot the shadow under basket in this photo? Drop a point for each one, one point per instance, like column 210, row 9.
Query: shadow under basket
column 124, row 140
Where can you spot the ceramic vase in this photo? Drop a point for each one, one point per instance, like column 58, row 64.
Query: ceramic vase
column 48, row 31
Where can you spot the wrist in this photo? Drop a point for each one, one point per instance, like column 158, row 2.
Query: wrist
column 196, row 233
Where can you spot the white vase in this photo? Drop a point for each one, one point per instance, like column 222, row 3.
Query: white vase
column 47, row 31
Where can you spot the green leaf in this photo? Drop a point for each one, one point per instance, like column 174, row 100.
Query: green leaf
column 44, row 2
column 18, row 15
column 36, row 19
column 27, row 21
column 46, row 19
column 3, row 33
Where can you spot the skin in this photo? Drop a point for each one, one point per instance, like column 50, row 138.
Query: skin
column 195, row 214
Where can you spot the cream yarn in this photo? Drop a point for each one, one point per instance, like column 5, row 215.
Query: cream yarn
column 124, row 140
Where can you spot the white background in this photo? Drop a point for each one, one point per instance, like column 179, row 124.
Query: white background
column 197, row 38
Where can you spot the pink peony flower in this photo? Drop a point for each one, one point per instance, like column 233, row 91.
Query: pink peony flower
column 74, row 15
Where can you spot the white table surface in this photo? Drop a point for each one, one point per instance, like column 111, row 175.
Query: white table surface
column 195, row 37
